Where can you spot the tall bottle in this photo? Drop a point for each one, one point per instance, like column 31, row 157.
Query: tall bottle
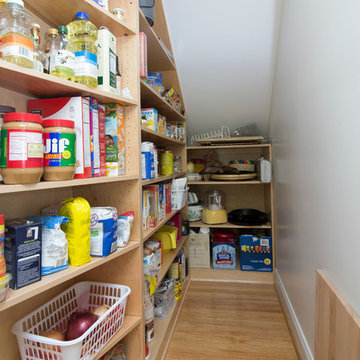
column 39, row 55
column 63, row 64
column 16, row 44
column 51, row 48
column 83, row 34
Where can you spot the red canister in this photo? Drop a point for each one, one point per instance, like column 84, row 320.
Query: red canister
column 224, row 236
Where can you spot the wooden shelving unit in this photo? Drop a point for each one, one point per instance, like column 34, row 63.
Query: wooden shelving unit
column 125, row 266
column 160, row 61
column 248, row 194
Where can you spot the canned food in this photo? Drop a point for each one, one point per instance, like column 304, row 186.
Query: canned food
column 167, row 163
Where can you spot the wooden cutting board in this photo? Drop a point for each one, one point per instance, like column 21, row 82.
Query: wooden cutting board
column 232, row 177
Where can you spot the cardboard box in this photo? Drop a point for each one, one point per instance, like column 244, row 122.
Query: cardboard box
column 255, row 253
column 224, row 255
column 23, row 252
column 143, row 55
column 150, row 115
column 101, row 112
column 103, row 3
column 146, row 209
column 168, row 198
column 106, row 45
column 154, row 204
column 162, row 202
column 199, row 251
column 94, row 137
column 76, row 109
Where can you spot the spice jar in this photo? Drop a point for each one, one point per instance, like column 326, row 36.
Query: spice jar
column 59, row 149
column 21, row 159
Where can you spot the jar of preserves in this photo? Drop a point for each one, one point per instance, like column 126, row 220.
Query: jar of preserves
column 59, row 149
column 21, row 159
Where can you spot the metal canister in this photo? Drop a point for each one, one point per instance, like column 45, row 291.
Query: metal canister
column 167, row 163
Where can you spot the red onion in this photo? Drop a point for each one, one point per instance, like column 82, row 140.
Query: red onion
column 78, row 324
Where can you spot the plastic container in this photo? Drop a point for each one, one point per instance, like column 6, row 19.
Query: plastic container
column 63, row 63
column 4, row 287
column 194, row 211
column 79, row 297
column 83, row 34
column 167, row 163
column 119, row 13
column 148, row 8
column 39, row 55
column 178, row 199
column 16, row 43
column 167, row 234
column 21, row 158
column 59, row 149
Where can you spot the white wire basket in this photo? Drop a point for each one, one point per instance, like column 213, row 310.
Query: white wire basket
column 55, row 314
column 178, row 198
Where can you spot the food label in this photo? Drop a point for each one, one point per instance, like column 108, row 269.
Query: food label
column 112, row 68
column 38, row 66
column 17, row 45
column 86, row 64
column 59, row 149
column 63, row 62
column 21, row 149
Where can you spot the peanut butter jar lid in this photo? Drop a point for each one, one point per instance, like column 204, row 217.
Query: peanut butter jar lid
column 58, row 123
column 16, row 116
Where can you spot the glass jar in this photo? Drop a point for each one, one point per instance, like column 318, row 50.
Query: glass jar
column 177, row 164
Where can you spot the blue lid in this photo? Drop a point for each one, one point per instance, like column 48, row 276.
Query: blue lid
column 81, row 16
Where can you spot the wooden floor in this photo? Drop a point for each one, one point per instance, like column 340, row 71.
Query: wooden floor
column 231, row 321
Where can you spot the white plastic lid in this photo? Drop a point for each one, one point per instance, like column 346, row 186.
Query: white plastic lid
column 17, row 2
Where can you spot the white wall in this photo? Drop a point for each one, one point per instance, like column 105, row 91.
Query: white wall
column 224, row 52
column 315, row 126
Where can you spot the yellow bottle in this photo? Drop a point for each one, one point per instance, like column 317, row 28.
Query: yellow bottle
column 83, row 34
column 16, row 43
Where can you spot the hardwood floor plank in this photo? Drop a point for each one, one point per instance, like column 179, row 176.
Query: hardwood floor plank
column 231, row 321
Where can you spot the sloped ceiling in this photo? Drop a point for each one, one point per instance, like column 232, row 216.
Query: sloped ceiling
column 224, row 52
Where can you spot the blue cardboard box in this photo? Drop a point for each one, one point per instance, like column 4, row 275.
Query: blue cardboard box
column 155, row 79
column 224, row 255
column 255, row 253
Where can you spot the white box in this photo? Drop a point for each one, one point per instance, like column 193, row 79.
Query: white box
column 199, row 251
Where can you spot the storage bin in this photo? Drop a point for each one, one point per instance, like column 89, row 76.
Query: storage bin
column 178, row 198
column 54, row 315
column 167, row 234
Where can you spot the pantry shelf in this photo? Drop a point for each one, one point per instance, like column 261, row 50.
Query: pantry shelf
column 151, row 98
column 230, row 146
column 130, row 323
column 33, row 83
column 158, row 59
column 62, row 12
column 231, row 275
column 24, row 294
column 163, row 178
column 153, row 230
column 44, row 185
column 169, row 257
column 164, row 328
column 243, row 182
column 200, row 224
column 150, row 135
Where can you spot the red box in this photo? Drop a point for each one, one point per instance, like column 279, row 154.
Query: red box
column 143, row 55
column 177, row 221
column 168, row 198
column 102, row 140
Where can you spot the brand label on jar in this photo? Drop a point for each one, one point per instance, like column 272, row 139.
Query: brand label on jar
column 17, row 45
column 63, row 62
column 86, row 64
column 21, row 149
column 59, row 149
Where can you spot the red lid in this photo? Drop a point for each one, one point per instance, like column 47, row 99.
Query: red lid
column 16, row 116
column 2, row 220
column 58, row 122
column 224, row 234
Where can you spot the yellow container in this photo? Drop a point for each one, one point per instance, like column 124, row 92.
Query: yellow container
column 167, row 235
column 167, row 163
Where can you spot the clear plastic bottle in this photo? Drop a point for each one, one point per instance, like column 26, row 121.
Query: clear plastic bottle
column 83, row 34
column 63, row 64
column 39, row 55
column 16, row 44
column 51, row 48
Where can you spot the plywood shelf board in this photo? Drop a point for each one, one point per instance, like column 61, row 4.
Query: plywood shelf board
column 151, row 98
column 151, row 135
column 50, row 281
column 153, row 230
column 243, row 146
column 163, row 178
column 194, row 224
column 130, row 323
column 57, row 13
column 164, row 328
column 231, row 276
column 46, row 185
column 33, row 83
column 242, row 182
column 158, row 59
column 169, row 257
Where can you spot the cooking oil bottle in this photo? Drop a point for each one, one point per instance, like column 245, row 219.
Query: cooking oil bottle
column 39, row 55
column 83, row 34
column 16, row 43
column 51, row 48
column 63, row 64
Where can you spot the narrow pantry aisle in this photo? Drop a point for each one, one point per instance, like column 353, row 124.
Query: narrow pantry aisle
column 231, row 321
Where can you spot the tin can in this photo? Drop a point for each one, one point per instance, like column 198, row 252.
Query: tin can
column 119, row 13
column 167, row 163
